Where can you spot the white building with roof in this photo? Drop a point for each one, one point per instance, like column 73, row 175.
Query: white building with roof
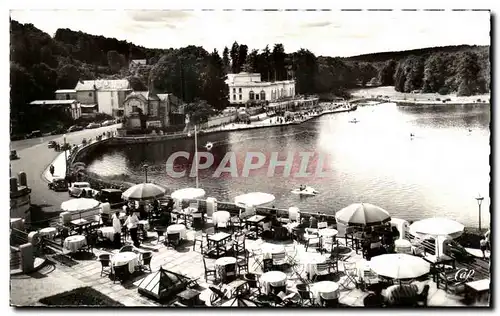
column 244, row 87
column 107, row 96
column 70, row 107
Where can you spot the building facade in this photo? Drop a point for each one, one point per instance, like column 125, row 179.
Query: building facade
column 160, row 109
column 107, row 96
column 244, row 87
column 70, row 108
column 66, row 94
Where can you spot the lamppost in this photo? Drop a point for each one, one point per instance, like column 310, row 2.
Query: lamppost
column 479, row 199
column 145, row 166
column 65, row 156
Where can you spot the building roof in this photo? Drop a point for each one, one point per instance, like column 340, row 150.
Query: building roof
column 66, row 91
column 53, row 102
column 163, row 96
column 88, row 85
column 259, row 83
column 145, row 95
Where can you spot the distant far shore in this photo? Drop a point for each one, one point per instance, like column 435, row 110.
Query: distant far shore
column 389, row 93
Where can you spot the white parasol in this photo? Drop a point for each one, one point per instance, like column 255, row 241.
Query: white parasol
column 143, row 192
column 188, row 194
column 253, row 199
column 399, row 266
column 79, row 205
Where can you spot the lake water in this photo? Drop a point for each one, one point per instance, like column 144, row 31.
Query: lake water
column 438, row 172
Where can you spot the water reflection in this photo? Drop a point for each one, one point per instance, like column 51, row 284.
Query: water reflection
column 435, row 173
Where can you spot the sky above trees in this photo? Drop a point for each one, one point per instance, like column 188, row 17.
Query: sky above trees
column 332, row 33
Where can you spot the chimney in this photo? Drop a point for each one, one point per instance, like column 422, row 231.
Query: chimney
column 21, row 176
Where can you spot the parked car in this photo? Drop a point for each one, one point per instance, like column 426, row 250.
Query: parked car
column 58, row 184
column 93, row 125
column 75, row 128
column 51, row 144
column 111, row 196
column 77, row 188
column 107, row 123
column 57, row 131
column 34, row 134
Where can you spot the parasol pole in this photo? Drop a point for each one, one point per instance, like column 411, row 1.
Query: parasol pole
column 196, row 154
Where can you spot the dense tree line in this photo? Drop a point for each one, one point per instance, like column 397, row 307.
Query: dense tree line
column 41, row 64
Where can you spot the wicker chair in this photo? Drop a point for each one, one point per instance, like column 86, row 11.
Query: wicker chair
column 305, row 294
column 105, row 264
column 121, row 273
column 209, row 270
column 146, row 261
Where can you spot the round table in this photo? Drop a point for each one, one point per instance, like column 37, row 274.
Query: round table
column 221, row 266
column 75, row 243
column 48, row 232
column 177, row 228
column 220, row 217
column 128, row 257
column 269, row 249
column 310, row 261
column 274, row 278
column 327, row 232
column 402, row 246
column 329, row 289
column 108, row 232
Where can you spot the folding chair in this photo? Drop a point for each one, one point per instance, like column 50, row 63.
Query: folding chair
column 321, row 270
column 312, row 239
column 351, row 273
column 279, row 261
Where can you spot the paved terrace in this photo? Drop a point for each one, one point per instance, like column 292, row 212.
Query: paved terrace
column 86, row 272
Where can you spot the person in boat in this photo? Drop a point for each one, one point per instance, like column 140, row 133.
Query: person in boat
column 302, row 187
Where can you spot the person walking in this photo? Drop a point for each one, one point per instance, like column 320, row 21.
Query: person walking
column 131, row 223
column 483, row 245
column 52, row 169
column 117, row 226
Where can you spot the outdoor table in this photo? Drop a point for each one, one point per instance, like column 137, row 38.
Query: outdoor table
column 310, row 261
column 269, row 249
column 128, row 257
column 476, row 289
column 48, row 232
column 177, row 228
column 108, row 232
column 254, row 221
column 274, row 278
column 329, row 289
column 74, row 243
column 225, row 266
column 189, row 296
column 439, row 262
column 402, row 246
column 220, row 217
column 218, row 240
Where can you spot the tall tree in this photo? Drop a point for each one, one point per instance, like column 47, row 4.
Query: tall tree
column 434, row 73
column 305, row 69
column 234, row 57
column 264, row 64
column 242, row 56
column 387, row 72
column 251, row 64
column 215, row 89
column 468, row 73
column 278, row 58
column 225, row 59
column 68, row 76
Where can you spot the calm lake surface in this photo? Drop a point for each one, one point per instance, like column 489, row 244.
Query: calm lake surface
column 438, row 172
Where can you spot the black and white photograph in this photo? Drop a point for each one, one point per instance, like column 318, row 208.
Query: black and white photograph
column 250, row 158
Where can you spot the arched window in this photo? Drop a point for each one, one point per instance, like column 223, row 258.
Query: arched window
column 251, row 95
column 263, row 95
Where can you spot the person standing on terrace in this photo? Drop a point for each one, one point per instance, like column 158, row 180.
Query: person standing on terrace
column 117, row 227
column 131, row 224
